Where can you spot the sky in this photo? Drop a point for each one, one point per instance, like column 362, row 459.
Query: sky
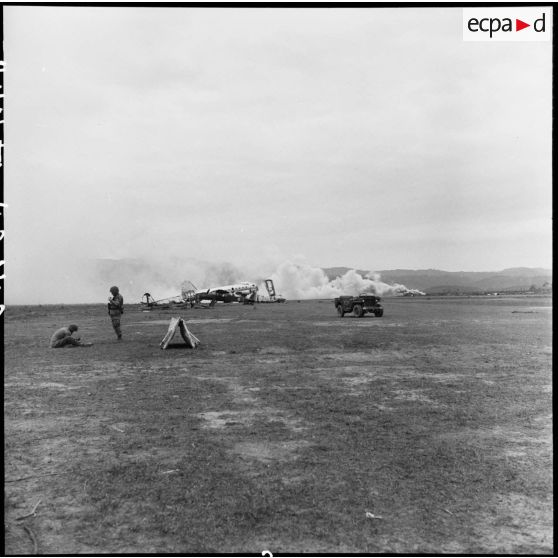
column 192, row 138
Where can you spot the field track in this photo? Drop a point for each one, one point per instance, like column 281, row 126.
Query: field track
column 289, row 429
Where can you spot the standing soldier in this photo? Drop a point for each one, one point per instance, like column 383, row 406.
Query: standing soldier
column 115, row 310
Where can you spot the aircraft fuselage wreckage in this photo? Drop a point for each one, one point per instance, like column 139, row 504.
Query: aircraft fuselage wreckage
column 244, row 292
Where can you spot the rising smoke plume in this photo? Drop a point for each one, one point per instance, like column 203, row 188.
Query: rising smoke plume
column 89, row 280
column 301, row 281
column 292, row 280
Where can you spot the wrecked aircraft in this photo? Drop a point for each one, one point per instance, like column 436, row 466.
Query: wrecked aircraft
column 239, row 292
column 273, row 297
column 149, row 302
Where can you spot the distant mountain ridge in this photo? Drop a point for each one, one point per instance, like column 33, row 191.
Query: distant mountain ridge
column 435, row 281
column 163, row 278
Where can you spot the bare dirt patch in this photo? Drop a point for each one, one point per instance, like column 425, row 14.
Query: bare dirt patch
column 510, row 534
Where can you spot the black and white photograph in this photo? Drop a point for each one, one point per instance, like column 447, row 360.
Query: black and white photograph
column 277, row 278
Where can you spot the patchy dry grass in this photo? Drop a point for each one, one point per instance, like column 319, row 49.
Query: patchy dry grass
column 282, row 430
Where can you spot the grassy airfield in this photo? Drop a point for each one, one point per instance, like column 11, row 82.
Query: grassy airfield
column 289, row 429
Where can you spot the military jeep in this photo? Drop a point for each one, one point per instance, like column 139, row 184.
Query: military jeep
column 359, row 305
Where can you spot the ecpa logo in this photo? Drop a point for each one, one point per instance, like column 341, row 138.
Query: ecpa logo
column 507, row 24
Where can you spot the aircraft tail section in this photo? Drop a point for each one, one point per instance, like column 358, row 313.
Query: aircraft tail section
column 270, row 288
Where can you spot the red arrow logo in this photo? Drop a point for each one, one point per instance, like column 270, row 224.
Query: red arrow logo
column 519, row 25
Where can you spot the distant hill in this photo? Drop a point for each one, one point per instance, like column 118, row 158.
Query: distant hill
column 163, row 278
column 435, row 281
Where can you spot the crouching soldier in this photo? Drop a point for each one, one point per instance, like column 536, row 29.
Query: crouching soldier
column 63, row 338
column 115, row 310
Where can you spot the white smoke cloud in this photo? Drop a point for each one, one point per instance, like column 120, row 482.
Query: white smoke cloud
column 88, row 281
column 292, row 279
column 302, row 281
column 164, row 277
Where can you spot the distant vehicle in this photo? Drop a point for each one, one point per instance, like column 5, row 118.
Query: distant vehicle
column 359, row 305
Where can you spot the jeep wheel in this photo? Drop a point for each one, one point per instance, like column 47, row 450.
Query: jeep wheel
column 358, row 311
column 340, row 311
column 379, row 313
